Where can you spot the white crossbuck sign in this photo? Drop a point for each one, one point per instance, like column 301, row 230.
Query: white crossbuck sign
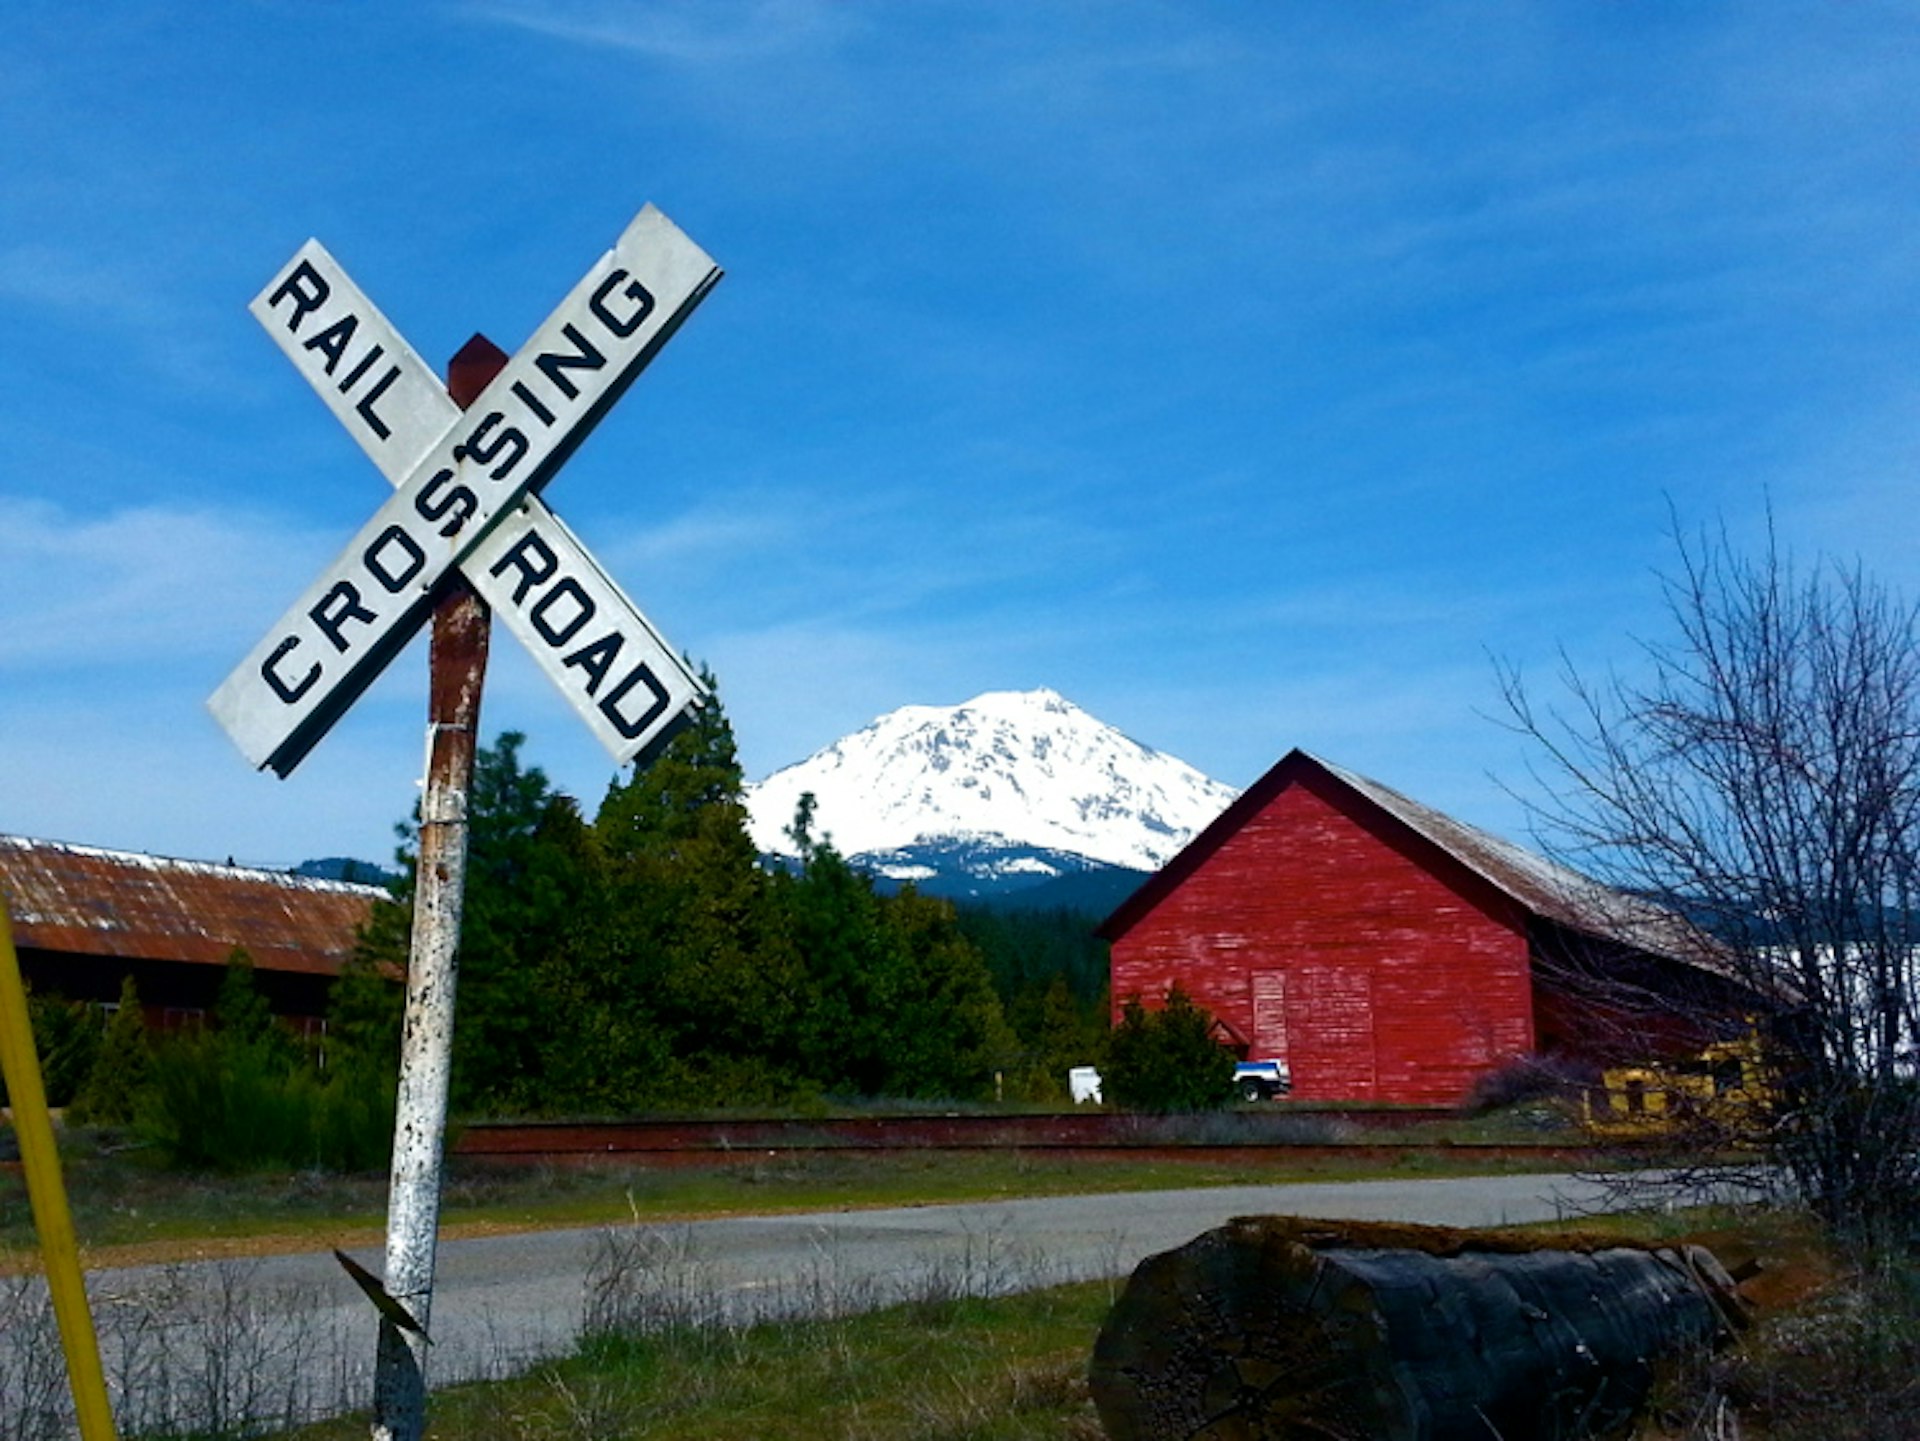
column 466, row 495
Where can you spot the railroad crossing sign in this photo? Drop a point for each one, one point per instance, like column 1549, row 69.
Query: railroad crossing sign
column 467, row 495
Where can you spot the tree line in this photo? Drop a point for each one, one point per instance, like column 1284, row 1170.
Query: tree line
column 646, row 958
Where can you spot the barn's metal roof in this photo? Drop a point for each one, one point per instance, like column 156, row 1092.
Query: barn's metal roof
column 1541, row 887
column 1544, row 887
column 86, row 901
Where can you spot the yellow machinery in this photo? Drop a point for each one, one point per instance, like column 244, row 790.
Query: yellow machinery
column 1723, row 1086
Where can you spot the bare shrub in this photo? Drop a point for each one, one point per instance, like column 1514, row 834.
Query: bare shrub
column 186, row 1351
column 1523, row 1079
column 591, row 1408
column 205, row 1351
column 986, row 1265
column 642, row 1281
column 1759, row 777
column 33, row 1376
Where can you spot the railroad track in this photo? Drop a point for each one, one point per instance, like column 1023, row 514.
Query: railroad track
column 668, row 1141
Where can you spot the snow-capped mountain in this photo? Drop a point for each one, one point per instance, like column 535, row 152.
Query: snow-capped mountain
column 1010, row 785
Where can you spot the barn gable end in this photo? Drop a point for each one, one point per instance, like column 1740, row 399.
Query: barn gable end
column 1317, row 933
column 1386, row 952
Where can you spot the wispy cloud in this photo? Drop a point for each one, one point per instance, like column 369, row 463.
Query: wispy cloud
column 111, row 303
column 683, row 32
column 88, row 290
column 738, row 529
column 147, row 585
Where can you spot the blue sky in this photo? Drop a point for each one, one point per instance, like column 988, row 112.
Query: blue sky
column 1252, row 374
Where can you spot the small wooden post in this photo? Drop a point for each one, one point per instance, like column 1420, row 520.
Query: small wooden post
column 457, row 665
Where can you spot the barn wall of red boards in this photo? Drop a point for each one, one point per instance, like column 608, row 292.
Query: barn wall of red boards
column 1385, row 952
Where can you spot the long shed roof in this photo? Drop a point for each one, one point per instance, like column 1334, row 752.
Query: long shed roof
column 82, row 900
column 1541, row 887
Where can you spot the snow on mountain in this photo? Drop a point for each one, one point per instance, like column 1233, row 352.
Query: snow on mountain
column 1025, row 774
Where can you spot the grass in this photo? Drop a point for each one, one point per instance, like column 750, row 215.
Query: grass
column 937, row 1369
column 1844, row 1367
column 1834, row 1354
column 127, row 1207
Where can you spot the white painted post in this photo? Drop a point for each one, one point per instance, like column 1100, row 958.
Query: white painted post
column 458, row 667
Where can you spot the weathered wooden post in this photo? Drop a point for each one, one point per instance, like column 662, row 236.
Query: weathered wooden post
column 457, row 674
column 464, row 533
column 1275, row 1329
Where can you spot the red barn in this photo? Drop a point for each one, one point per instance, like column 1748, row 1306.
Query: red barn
column 1388, row 953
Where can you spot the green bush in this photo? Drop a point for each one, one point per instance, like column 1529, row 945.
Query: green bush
column 66, row 1034
column 216, row 1103
column 353, row 1118
column 1167, row 1059
column 212, row 1104
column 244, row 1096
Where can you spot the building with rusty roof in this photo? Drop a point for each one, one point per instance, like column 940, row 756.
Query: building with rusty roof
column 1386, row 952
column 85, row 918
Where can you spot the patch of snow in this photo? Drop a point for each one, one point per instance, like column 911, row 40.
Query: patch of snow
column 1026, row 866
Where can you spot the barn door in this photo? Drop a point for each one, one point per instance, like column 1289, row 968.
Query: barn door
column 1269, row 1041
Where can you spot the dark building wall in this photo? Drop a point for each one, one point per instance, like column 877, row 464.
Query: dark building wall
column 171, row 992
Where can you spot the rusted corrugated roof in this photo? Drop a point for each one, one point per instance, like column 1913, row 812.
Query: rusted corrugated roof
column 87, row 901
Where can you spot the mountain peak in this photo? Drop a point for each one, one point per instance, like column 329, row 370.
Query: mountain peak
column 1017, row 769
column 1009, row 704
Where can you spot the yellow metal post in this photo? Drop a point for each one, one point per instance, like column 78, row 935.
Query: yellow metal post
column 48, row 1196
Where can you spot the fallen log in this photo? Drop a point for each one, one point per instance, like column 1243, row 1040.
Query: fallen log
column 1276, row 1329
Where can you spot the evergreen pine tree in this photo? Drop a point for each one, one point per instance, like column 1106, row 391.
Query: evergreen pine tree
column 1056, row 1033
column 1050, row 970
column 66, row 1037
column 852, row 981
column 240, row 1013
column 695, row 936
column 364, row 1007
column 945, row 1034
column 530, row 892
column 903, row 1004
column 509, row 921
column 110, row 1094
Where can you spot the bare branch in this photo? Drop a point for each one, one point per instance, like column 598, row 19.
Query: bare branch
column 1759, row 773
